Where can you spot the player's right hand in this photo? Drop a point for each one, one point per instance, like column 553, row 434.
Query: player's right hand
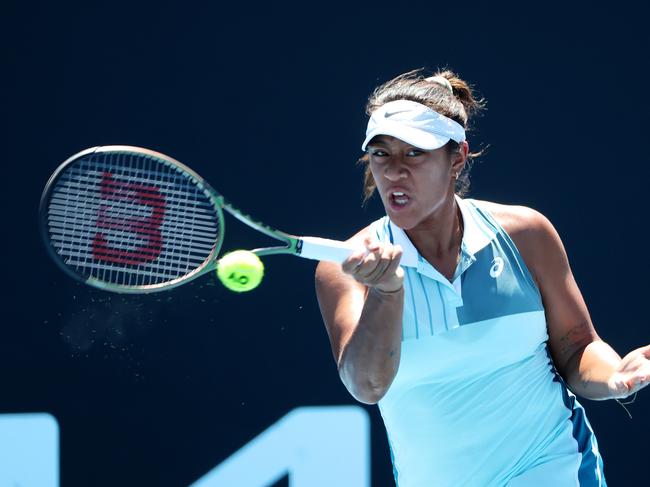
column 377, row 266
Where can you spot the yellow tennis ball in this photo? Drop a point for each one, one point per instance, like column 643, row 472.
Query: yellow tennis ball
column 240, row 270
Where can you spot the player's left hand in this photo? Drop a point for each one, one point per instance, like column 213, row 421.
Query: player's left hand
column 632, row 375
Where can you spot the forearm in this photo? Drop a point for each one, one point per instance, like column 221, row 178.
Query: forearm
column 370, row 358
column 590, row 370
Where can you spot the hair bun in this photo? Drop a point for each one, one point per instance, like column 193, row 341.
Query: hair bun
column 441, row 80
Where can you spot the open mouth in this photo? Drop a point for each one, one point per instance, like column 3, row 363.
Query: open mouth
column 399, row 199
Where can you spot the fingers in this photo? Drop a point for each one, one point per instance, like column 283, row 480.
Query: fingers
column 378, row 260
column 362, row 264
column 624, row 384
column 646, row 351
column 618, row 387
column 634, row 372
column 635, row 385
column 640, row 380
column 355, row 260
column 377, row 265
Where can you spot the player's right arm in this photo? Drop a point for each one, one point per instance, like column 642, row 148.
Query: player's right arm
column 361, row 302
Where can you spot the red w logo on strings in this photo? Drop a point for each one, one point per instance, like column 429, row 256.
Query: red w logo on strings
column 144, row 230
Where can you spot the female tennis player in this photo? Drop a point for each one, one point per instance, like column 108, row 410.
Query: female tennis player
column 462, row 319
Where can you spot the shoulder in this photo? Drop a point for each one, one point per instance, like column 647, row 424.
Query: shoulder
column 534, row 235
column 517, row 220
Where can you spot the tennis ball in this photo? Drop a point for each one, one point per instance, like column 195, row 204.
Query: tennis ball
column 240, row 270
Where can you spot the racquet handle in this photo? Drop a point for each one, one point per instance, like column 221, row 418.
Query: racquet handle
column 325, row 249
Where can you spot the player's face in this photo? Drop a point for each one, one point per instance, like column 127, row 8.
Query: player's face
column 413, row 183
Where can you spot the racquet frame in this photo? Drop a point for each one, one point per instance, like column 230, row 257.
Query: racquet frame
column 291, row 244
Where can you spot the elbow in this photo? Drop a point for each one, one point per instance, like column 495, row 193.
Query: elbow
column 368, row 376
column 365, row 388
column 366, row 393
column 369, row 397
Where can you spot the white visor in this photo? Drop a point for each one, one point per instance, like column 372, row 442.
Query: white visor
column 413, row 123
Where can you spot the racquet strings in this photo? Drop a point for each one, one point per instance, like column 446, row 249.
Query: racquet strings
column 129, row 219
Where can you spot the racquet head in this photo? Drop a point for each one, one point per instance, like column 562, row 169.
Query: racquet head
column 127, row 219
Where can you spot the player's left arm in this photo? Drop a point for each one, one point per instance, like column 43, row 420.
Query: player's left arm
column 591, row 368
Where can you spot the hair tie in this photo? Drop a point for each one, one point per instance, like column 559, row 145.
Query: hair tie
column 441, row 80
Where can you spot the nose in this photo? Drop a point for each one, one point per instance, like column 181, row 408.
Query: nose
column 395, row 170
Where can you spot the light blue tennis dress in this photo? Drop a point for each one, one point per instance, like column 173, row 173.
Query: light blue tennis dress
column 477, row 400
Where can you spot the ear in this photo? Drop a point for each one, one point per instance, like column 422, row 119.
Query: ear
column 458, row 157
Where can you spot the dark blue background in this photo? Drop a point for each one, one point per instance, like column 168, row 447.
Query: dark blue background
column 266, row 102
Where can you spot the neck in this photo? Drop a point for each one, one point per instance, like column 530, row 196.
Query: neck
column 438, row 237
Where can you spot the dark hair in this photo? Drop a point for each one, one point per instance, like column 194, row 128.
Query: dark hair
column 460, row 106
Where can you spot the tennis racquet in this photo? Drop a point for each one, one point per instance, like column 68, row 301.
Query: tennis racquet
column 131, row 220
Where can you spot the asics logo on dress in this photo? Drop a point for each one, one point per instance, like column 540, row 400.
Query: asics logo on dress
column 497, row 267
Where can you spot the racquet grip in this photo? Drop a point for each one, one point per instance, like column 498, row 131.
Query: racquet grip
column 317, row 248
